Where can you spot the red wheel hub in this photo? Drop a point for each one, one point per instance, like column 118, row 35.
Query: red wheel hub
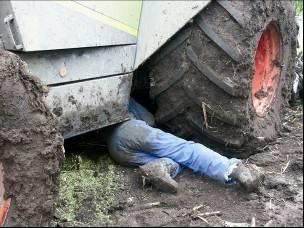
column 4, row 204
column 267, row 70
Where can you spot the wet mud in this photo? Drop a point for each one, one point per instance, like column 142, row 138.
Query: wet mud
column 31, row 149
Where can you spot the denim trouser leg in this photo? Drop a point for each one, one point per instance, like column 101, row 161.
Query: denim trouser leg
column 126, row 141
column 136, row 143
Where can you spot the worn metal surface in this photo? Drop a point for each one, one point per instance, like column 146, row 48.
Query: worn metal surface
column 86, row 106
column 60, row 66
column 159, row 21
column 47, row 25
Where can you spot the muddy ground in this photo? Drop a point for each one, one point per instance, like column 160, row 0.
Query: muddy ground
column 97, row 192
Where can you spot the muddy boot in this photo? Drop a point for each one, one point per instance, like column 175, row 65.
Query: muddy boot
column 158, row 173
column 249, row 176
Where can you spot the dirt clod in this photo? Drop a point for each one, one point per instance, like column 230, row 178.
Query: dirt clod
column 31, row 148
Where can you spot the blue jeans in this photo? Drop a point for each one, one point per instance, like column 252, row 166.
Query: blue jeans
column 134, row 143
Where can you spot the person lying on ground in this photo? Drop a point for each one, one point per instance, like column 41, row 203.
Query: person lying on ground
column 161, row 156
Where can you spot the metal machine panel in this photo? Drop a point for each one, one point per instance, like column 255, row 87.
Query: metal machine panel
column 86, row 106
column 159, row 21
column 125, row 11
column 48, row 25
column 61, row 66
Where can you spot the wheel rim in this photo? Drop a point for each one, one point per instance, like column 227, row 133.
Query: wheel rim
column 4, row 204
column 267, row 70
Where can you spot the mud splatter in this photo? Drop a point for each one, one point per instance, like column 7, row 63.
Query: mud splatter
column 72, row 100
column 58, row 111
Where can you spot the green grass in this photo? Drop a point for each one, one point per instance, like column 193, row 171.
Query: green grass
column 88, row 189
column 299, row 7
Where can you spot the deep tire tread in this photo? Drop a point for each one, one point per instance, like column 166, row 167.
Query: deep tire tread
column 237, row 15
column 217, row 39
column 227, row 86
column 213, row 66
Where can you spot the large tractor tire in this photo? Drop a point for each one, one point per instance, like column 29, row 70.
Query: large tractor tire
column 31, row 149
column 226, row 76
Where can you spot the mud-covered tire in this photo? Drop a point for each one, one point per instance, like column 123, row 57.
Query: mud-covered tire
column 31, row 153
column 208, row 66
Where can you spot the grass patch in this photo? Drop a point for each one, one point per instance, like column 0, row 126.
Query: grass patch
column 88, row 189
column 299, row 7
